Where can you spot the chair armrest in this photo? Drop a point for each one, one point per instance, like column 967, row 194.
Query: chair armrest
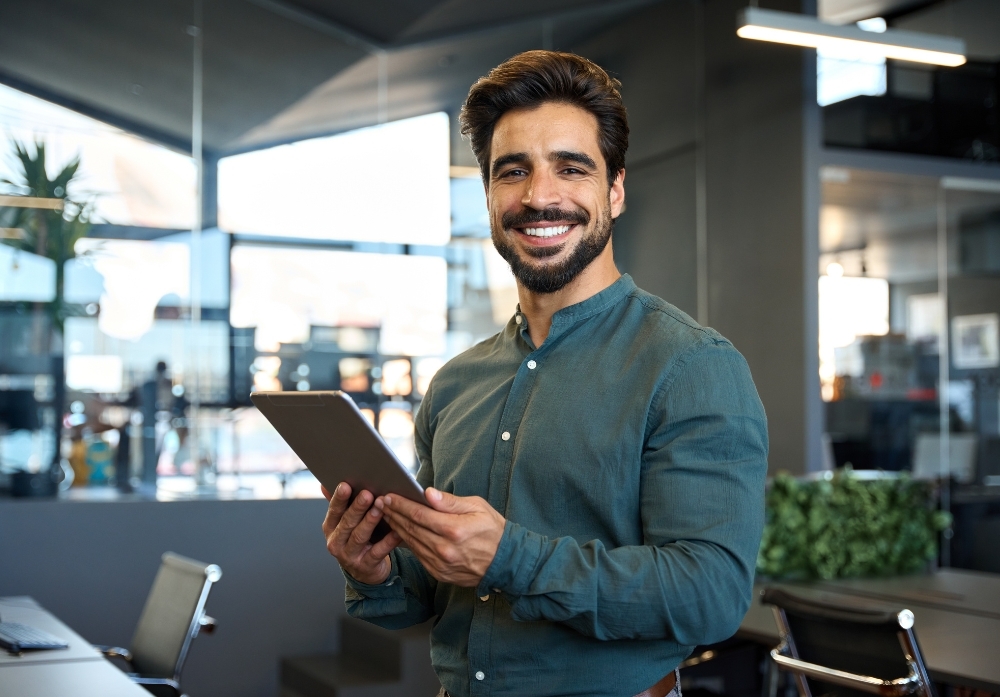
column 206, row 624
column 161, row 687
column 115, row 652
column 866, row 683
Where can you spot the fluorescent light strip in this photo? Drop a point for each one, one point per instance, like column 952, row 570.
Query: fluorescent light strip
column 800, row 30
column 986, row 186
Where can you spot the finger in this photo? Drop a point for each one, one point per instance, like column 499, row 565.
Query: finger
column 338, row 504
column 419, row 546
column 362, row 533
column 424, row 516
column 353, row 515
column 385, row 545
column 411, row 531
column 449, row 503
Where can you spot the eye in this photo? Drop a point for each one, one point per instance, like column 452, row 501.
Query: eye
column 515, row 172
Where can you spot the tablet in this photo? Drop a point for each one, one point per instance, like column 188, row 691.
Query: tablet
column 337, row 443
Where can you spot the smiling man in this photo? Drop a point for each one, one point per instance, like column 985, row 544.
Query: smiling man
column 595, row 471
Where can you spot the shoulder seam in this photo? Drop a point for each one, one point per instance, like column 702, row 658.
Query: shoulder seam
column 669, row 314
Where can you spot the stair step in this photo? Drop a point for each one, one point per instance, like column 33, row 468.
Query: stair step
column 335, row 676
column 373, row 662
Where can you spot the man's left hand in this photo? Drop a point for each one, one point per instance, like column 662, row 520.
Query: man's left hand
column 454, row 537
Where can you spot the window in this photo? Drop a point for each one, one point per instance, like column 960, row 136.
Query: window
column 842, row 74
column 386, row 183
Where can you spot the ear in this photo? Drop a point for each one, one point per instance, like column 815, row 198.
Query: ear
column 617, row 194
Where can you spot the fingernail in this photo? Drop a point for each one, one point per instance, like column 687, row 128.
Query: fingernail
column 375, row 513
column 433, row 494
column 388, row 500
column 336, row 492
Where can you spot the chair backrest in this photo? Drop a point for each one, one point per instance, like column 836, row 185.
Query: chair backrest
column 172, row 615
column 846, row 651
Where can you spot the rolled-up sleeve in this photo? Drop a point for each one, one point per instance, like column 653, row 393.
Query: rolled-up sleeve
column 704, row 466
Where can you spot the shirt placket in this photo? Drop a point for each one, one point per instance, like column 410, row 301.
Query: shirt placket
column 501, row 471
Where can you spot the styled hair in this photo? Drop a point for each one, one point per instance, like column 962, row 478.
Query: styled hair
column 532, row 78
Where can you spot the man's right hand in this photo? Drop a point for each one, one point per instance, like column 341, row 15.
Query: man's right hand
column 348, row 530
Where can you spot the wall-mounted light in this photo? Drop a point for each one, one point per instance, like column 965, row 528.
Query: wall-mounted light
column 801, row 30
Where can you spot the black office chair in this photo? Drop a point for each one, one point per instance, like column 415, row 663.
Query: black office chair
column 837, row 651
column 173, row 616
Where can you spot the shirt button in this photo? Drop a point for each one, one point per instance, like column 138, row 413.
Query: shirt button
column 505, row 435
column 480, row 675
column 484, row 598
column 532, row 365
column 517, row 318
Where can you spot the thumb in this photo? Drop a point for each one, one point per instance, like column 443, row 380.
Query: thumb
column 445, row 502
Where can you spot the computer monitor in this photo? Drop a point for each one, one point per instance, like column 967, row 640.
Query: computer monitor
column 961, row 456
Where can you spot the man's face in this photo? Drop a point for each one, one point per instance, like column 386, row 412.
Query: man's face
column 551, row 209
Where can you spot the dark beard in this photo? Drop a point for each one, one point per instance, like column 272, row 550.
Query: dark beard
column 553, row 277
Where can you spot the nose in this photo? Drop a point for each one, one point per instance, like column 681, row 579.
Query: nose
column 543, row 190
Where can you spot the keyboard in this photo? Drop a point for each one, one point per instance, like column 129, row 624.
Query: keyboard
column 16, row 637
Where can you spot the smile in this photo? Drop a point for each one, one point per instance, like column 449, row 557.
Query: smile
column 546, row 231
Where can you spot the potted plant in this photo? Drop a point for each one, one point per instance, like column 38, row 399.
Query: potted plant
column 842, row 525
column 50, row 232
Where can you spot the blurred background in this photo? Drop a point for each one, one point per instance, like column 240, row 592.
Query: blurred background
column 203, row 198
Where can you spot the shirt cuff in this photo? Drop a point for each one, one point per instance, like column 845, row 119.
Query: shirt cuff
column 390, row 589
column 514, row 566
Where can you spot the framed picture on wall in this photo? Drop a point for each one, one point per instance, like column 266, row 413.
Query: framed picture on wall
column 975, row 341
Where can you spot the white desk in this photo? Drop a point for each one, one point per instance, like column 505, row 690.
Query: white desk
column 79, row 670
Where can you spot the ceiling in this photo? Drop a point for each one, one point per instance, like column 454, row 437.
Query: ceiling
column 975, row 21
column 846, row 11
column 886, row 225
column 274, row 70
column 281, row 70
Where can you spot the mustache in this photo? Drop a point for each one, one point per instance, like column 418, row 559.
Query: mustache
column 528, row 216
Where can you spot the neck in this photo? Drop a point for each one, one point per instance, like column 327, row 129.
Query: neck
column 538, row 308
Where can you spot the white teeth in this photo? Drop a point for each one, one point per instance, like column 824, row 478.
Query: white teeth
column 546, row 231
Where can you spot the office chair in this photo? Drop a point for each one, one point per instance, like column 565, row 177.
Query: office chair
column 837, row 651
column 173, row 616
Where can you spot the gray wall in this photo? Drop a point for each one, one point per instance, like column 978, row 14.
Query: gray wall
column 92, row 564
column 762, row 144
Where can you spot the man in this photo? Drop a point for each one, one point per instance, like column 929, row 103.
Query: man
column 595, row 472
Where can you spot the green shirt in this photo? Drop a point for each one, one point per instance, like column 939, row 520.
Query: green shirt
column 628, row 454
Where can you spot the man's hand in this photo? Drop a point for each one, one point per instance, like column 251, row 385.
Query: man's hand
column 454, row 537
column 348, row 530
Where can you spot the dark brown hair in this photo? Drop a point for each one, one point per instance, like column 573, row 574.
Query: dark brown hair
column 531, row 78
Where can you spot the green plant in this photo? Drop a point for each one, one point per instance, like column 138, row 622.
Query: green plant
column 46, row 232
column 845, row 526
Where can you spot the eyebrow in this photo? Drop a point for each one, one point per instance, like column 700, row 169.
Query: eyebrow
column 571, row 156
column 509, row 159
column 559, row 155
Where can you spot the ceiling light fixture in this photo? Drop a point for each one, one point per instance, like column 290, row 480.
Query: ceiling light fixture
column 801, row 30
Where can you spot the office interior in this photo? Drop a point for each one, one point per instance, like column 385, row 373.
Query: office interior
column 274, row 194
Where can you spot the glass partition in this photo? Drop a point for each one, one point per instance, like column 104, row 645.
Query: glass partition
column 967, row 456
column 910, row 331
column 879, row 350
column 258, row 237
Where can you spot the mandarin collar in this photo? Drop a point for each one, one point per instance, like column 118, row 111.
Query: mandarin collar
column 568, row 316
